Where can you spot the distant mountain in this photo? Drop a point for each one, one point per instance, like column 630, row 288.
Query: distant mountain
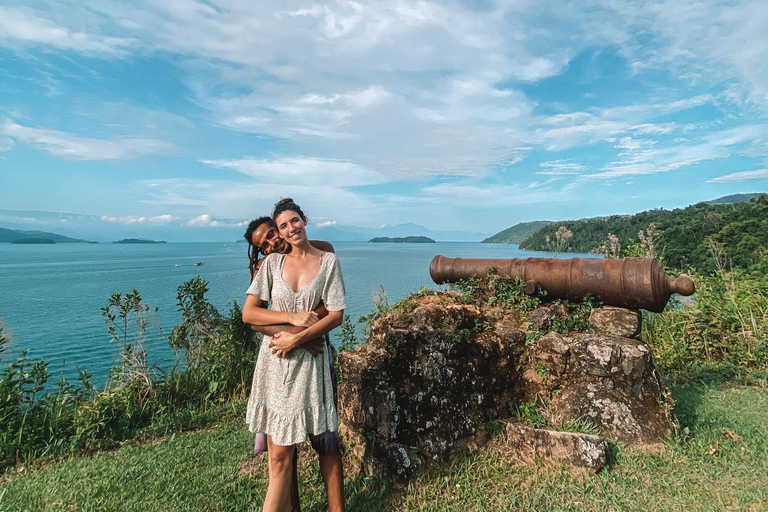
column 517, row 233
column 402, row 240
column 734, row 198
column 12, row 235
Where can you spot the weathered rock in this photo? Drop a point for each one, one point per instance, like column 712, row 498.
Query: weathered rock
column 613, row 382
column 575, row 450
column 616, row 321
column 429, row 383
column 547, row 368
column 432, row 378
column 542, row 319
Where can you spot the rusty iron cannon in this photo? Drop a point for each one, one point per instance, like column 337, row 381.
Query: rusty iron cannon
column 637, row 283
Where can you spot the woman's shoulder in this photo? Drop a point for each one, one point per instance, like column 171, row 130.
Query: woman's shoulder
column 270, row 260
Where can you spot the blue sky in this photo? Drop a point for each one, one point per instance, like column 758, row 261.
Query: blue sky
column 196, row 116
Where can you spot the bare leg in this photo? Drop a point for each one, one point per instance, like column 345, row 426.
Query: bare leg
column 332, row 471
column 279, row 491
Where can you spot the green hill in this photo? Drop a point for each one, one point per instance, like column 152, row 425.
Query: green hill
column 733, row 198
column 517, row 233
column 12, row 235
column 737, row 232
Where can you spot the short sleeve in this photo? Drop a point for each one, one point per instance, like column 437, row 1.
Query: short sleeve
column 261, row 286
column 333, row 290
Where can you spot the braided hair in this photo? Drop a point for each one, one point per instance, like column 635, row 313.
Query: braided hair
column 253, row 251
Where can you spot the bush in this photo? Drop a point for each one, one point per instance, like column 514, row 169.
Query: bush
column 725, row 322
column 219, row 354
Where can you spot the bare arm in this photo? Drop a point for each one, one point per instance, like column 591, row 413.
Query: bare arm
column 283, row 343
column 255, row 315
column 271, row 330
column 313, row 346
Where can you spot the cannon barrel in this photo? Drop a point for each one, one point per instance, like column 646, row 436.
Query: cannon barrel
column 625, row 282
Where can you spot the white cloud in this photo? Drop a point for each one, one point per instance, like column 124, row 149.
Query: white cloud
column 736, row 177
column 326, row 224
column 24, row 26
column 204, row 220
column 482, row 197
column 158, row 220
column 560, row 168
column 6, row 144
column 302, row 171
column 72, row 147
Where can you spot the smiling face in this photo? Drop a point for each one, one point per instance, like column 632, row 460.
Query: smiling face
column 290, row 226
column 268, row 240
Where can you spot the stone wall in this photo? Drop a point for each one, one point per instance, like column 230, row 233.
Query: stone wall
column 430, row 377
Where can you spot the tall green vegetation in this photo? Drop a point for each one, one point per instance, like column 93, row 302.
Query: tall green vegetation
column 216, row 356
column 704, row 236
column 724, row 326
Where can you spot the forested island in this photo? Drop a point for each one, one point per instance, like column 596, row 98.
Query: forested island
column 139, row 241
column 730, row 231
column 402, row 240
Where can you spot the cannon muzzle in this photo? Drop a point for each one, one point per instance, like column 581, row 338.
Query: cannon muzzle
column 637, row 283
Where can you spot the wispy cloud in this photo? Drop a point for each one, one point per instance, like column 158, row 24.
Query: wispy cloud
column 484, row 197
column 560, row 168
column 736, row 177
column 158, row 220
column 72, row 147
column 304, row 171
column 26, row 27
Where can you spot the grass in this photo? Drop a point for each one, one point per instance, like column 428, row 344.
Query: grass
column 700, row 470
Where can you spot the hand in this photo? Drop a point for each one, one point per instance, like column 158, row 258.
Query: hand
column 315, row 346
column 282, row 343
column 304, row 319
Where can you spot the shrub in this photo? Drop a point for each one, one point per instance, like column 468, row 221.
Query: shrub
column 726, row 321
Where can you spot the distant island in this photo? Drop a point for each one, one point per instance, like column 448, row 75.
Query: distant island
column 139, row 241
column 33, row 241
column 18, row 236
column 402, row 240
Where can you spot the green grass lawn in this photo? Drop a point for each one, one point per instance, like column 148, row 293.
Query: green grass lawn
column 700, row 470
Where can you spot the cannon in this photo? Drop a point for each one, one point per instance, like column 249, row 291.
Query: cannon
column 636, row 283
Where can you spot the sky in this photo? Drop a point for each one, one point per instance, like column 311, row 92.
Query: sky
column 196, row 116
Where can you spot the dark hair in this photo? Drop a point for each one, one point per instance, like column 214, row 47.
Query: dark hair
column 253, row 251
column 287, row 204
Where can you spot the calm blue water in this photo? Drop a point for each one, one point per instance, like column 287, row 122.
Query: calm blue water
column 51, row 295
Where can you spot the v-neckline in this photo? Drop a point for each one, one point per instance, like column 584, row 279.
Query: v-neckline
column 296, row 292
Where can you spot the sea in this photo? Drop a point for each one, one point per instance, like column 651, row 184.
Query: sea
column 51, row 296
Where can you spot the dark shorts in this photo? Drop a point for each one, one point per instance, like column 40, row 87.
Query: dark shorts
column 327, row 443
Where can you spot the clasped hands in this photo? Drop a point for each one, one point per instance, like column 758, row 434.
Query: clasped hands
column 284, row 342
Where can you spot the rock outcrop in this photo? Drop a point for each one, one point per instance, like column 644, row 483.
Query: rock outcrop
column 431, row 375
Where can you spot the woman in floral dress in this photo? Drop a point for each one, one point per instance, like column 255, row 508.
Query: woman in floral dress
column 292, row 392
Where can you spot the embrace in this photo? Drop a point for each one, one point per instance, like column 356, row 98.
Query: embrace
column 293, row 394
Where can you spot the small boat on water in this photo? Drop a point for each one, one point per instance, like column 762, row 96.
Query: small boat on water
column 198, row 264
column 176, row 265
